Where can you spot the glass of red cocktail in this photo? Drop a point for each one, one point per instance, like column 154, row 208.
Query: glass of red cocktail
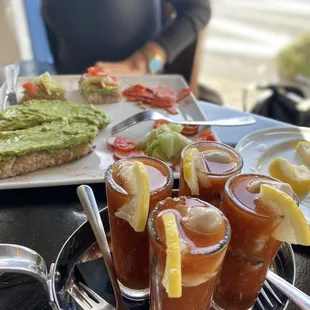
column 130, row 245
column 252, row 247
column 205, row 168
column 204, row 233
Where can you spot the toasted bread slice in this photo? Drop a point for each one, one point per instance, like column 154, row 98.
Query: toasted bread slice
column 105, row 95
column 27, row 97
column 43, row 87
column 101, row 98
column 42, row 159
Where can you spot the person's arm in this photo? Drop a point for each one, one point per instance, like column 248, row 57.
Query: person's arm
column 137, row 63
column 192, row 17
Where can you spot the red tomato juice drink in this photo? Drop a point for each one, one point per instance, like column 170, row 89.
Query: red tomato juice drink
column 205, row 168
column 204, row 233
column 252, row 247
column 129, row 200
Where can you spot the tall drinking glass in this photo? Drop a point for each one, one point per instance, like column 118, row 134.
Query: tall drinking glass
column 204, row 235
column 131, row 248
column 252, row 247
column 215, row 164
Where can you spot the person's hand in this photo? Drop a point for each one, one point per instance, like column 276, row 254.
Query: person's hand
column 116, row 68
column 137, row 63
column 134, row 65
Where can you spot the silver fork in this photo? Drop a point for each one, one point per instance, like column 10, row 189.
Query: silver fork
column 11, row 76
column 87, row 299
column 154, row 115
column 301, row 299
column 264, row 296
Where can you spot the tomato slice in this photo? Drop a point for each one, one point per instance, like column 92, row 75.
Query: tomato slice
column 206, row 135
column 124, row 144
column 119, row 155
column 189, row 130
column 183, row 93
column 93, row 70
column 110, row 141
column 31, row 89
column 97, row 84
column 43, row 88
column 160, row 122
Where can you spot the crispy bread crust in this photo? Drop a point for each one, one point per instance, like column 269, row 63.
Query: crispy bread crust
column 99, row 98
column 41, row 159
column 26, row 98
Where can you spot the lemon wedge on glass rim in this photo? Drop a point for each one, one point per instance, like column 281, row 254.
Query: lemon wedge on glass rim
column 297, row 176
column 172, row 279
column 136, row 209
column 190, row 158
column 294, row 228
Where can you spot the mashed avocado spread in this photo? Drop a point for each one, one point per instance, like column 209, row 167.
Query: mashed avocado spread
column 51, row 86
column 47, row 125
column 107, row 89
column 36, row 112
column 47, row 137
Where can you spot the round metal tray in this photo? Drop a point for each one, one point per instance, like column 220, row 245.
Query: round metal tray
column 283, row 265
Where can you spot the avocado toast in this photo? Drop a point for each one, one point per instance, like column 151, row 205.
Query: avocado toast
column 40, row 134
column 43, row 87
column 97, row 87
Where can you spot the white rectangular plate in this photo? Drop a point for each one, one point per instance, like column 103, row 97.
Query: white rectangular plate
column 91, row 168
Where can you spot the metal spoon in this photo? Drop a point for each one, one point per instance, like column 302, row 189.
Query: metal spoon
column 89, row 204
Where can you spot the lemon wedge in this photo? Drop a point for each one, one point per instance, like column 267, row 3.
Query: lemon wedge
column 293, row 228
column 303, row 149
column 297, row 176
column 172, row 280
column 189, row 169
column 136, row 210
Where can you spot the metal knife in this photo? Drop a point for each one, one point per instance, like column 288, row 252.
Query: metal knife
column 11, row 74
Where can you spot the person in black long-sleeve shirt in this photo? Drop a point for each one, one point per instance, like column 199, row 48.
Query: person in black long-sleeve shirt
column 121, row 36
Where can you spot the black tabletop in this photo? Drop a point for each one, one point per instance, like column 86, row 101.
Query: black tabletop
column 43, row 218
